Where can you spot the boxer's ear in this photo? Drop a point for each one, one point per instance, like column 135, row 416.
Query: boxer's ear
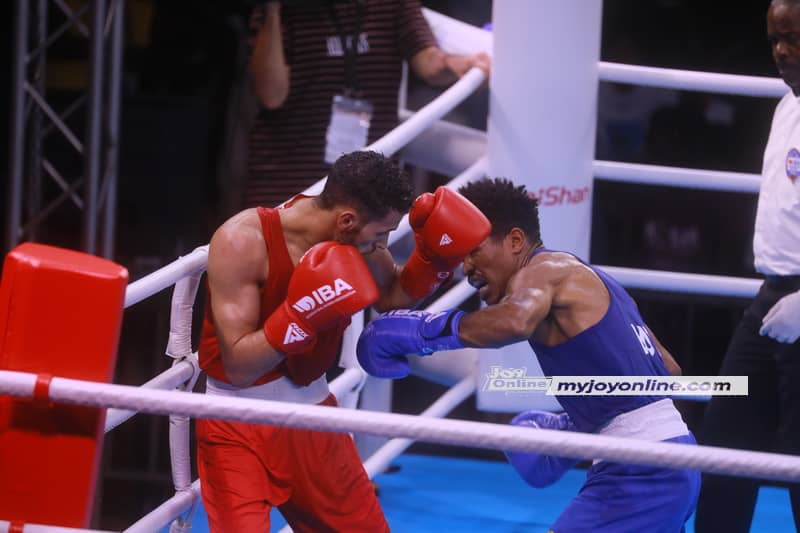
column 347, row 220
column 516, row 241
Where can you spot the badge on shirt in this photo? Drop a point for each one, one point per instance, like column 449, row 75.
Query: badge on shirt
column 348, row 128
column 793, row 164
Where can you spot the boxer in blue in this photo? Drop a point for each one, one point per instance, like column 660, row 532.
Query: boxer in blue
column 580, row 322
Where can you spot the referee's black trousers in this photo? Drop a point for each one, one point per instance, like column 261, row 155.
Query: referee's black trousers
column 768, row 419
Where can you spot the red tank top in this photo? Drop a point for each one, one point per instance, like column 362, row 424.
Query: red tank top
column 301, row 368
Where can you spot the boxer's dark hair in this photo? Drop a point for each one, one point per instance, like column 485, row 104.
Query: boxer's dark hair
column 506, row 205
column 370, row 182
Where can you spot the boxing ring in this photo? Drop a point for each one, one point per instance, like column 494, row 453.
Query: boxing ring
column 171, row 393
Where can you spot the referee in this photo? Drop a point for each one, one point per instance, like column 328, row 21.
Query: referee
column 764, row 346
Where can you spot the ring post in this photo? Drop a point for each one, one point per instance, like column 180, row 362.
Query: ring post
column 541, row 133
column 543, row 109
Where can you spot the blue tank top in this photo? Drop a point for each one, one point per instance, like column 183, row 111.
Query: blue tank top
column 618, row 345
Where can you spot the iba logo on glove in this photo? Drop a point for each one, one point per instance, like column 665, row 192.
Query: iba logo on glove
column 323, row 297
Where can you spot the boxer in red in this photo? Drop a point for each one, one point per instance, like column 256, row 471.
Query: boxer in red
column 282, row 286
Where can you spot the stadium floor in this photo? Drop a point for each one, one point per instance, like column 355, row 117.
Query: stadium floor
column 431, row 494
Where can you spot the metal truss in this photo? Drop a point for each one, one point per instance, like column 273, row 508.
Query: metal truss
column 54, row 165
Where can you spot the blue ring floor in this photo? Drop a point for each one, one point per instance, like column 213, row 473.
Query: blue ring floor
column 471, row 495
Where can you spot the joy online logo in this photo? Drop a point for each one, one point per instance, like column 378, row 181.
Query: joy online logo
column 560, row 195
column 501, row 379
column 322, row 295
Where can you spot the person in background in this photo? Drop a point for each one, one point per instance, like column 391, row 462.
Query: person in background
column 326, row 76
column 764, row 345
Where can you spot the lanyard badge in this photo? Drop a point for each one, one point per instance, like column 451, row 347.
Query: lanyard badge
column 348, row 128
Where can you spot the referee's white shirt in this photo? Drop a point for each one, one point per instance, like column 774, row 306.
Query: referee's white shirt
column 776, row 244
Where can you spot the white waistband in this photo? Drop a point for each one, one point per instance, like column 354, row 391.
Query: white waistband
column 655, row 421
column 282, row 390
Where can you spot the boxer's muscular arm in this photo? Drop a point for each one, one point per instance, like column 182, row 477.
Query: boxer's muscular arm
column 384, row 344
column 529, row 298
column 236, row 266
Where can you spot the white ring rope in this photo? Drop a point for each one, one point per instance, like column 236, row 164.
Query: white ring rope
column 662, row 280
column 454, row 297
column 453, row 432
column 687, row 178
column 459, row 392
column 346, row 382
column 169, row 379
column 166, row 276
column 168, row 511
column 429, row 114
column 691, row 80
column 637, row 173
column 458, row 37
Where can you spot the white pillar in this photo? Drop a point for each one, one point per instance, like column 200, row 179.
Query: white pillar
column 542, row 118
column 543, row 109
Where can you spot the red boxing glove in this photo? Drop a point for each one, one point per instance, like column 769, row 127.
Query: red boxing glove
column 446, row 228
column 330, row 283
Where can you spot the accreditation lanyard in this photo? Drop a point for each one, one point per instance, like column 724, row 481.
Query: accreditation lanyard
column 349, row 44
column 350, row 114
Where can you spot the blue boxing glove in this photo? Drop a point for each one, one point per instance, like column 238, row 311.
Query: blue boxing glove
column 385, row 342
column 536, row 469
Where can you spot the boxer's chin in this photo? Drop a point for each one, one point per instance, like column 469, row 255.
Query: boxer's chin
column 483, row 293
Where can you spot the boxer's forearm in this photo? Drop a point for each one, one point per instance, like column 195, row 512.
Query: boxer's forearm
column 249, row 358
column 512, row 320
column 269, row 73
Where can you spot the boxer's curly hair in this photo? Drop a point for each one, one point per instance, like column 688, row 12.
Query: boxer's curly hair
column 506, row 206
column 370, row 182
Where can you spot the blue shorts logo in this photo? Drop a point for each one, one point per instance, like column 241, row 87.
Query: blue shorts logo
column 793, row 164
